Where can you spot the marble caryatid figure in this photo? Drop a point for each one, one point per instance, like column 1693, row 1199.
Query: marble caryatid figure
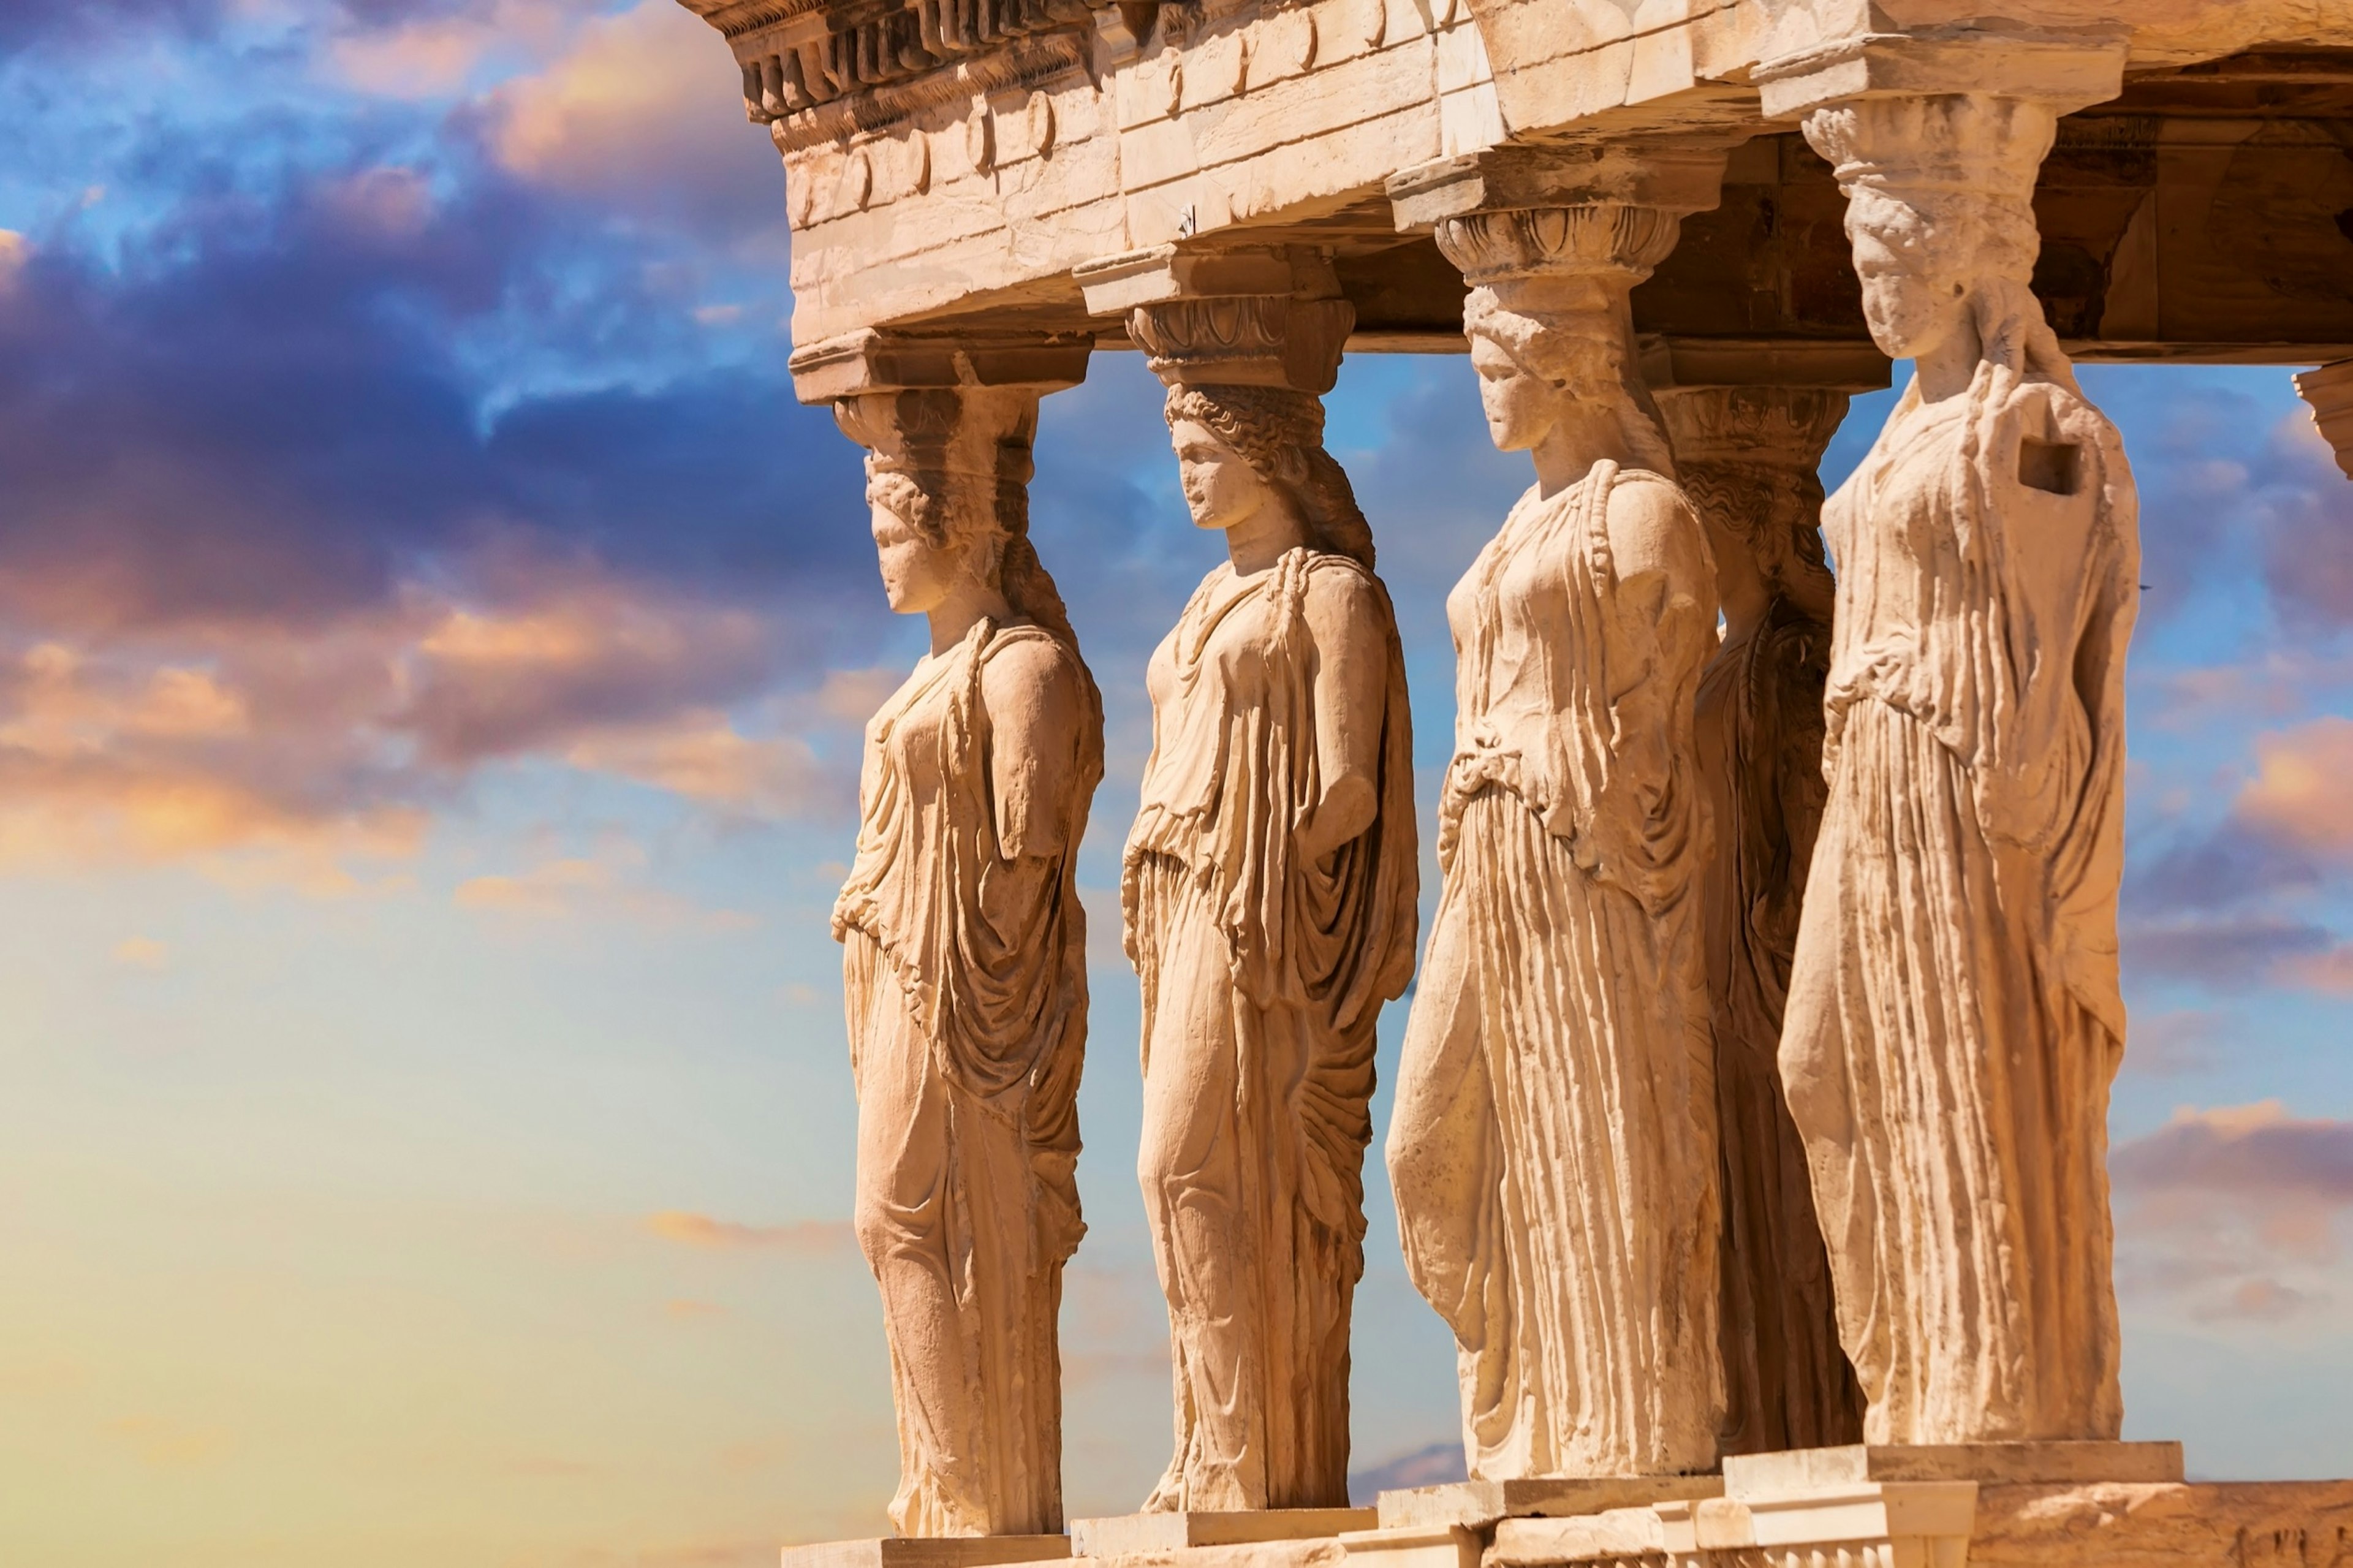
column 1746, row 457
column 964, row 964
column 1269, row 890
column 1953, row 1021
column 1553, row 1151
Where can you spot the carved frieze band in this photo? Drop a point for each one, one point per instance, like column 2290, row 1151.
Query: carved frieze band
column 816, row 72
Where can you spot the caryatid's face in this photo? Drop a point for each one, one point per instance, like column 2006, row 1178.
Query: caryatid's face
column 1522, row 406
column 919, row 572
column 1913, row 299
column 1220, row 486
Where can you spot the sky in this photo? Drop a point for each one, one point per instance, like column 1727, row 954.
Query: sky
column 433, row 645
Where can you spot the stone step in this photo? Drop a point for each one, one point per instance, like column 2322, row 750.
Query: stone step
column 1989, row 1464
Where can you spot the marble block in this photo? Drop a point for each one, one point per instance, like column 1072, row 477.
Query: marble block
column 1991, row 1463
column 1414, row 1546
column 1479, row 1504
column 1304, row 1551
column 1126, row 1534
column 1615, row 1536
column 1948, row 1524
column 1892, row 1524
column 928, row 1552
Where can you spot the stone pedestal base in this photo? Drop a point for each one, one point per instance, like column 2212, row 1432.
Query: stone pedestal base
column 1130, row 1533
column 929, row 1552
column 1987, row 1464
column 1997, row 1505
column 1480, row 1504
column 1414, row 1546
column 1264, row 1538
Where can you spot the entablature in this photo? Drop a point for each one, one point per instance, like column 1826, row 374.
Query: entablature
column 960, row 161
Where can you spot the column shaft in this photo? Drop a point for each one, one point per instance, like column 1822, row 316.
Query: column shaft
column 1954, row 1020
column 965, row 947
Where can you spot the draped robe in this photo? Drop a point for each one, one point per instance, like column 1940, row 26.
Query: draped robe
column 1954, row 1019
column 1263, row 974
column 965, row 974
column 1787, row 1381
column 1554, row 1150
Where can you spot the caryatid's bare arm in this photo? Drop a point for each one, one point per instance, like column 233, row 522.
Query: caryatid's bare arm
column 1037, row 710
column 1349, row 625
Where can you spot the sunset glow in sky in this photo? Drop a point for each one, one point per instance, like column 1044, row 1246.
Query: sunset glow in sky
column 433, row 645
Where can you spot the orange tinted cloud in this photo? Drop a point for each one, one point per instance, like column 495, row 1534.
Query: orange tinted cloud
column 2302, row 787
column 315, row 757
column 433, row 57
column 703, row 756
column 701, row 1230
column 643, row 107
column 2331, row 972
column 608, row 883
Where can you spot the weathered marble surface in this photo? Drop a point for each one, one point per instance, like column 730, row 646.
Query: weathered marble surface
column 2236, row 1524
column 1746, row 457
column 1269, row 894
column 948, row 157
column 1478, row 1505
column 1947, row 1523
column 929, row 1552
column 1554, row 1150
column 1128, row 1534
column 1954, row 1020
column 964, row 965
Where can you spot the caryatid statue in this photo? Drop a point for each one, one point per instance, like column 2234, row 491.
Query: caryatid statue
column 1747, row 456
column 1269, row 892
column 965, row 963
column 1554, row 1153
column 1953, row 1021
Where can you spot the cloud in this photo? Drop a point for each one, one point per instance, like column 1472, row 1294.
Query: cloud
column 595, row 654
column 87, row 23
column 2230, row 907
column 643, row 113
column 808, row 1238
column 413, row 53
column 2329, row 971
column 2308, row 533
column 2254, row 1151
column 264, row 414
column 701, row 756
column 110, row 761
column 855, row 696
column 2303, row 790
column 607, row 884
column 309, row 750
column 276, row 584
column 2233, row 952
column 2228, row 480
column 2237, row 863
column 2233, row 1210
